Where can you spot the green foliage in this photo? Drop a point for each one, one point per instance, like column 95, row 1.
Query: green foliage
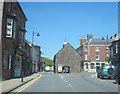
column 107, row 59
column 48, row 62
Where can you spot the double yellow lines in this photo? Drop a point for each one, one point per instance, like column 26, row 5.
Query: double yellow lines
column 26, row 85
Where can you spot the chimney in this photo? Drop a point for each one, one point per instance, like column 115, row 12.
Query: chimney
column 83, row 40
column 89, row 36
column 64, row 44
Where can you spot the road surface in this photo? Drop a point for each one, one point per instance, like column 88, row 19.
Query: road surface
column 77, row 82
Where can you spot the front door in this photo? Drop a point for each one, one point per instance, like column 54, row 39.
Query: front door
column 17, row 67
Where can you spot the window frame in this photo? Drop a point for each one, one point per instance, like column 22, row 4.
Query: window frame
column 97, row 54
column 9, row 29
column 97, row 47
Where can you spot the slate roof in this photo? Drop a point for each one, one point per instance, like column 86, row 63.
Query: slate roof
column 100, row 41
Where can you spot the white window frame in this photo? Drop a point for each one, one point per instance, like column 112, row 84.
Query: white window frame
column 116, row 47
column 98, row 57
column 85, row 48
column 9, row 28
column 86, row 56
column 9, row 63
column 97, row 47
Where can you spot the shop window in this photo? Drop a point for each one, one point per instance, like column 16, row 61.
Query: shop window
column 92, row 65
column 86, row 65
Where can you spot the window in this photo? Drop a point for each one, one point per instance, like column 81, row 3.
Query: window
column 9, row 6
column 7, row 61
column 10, row 61
column 19, row 21
column 107, row 55
column 116, row 47
column 14, row 29
column 97, row 64
column 9, row 28
column 21, row 38
column 86, row 65
column 111, row 51
column 86, row 57
column 107, row 48
column 85, row 48
column 15, row 11
column 97, row 48
column 103, row 64
column 97, row 56
column 92, row 65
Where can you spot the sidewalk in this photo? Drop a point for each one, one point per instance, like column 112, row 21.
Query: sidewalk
column 8, row 85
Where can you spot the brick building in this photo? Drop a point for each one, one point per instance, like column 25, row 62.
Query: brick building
column 93, row 53
column 13, row 39
column 67, row 57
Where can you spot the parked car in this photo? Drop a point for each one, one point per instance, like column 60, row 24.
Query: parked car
column 106, row 71
column 117, row 73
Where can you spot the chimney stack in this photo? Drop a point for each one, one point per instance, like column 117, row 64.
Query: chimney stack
column 83, row 40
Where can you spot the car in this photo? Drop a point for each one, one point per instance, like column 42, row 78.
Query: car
column 117, row 73
column 106, row 71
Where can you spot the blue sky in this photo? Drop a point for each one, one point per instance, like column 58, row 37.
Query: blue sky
column 60, row 21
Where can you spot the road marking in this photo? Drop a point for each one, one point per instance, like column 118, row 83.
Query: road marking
column 26, row 85
column 70, row 85
column 94, row 75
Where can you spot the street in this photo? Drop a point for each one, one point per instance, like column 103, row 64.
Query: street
column 82, row 82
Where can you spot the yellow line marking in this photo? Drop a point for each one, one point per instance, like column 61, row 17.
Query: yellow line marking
column 94, row 75
column 26, row 85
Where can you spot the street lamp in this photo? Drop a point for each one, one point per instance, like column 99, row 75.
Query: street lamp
column 37, row 34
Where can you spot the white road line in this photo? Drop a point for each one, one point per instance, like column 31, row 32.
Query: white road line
column 70, row 85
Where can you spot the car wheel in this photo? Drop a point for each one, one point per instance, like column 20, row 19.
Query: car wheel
column 101, row 77
column 98, row 76
column 109, row 77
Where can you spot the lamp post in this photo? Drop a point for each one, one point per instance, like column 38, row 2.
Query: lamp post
column 37, row 34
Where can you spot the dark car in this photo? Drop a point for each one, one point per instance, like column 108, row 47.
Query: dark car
column 117, row 73
column 106, row 71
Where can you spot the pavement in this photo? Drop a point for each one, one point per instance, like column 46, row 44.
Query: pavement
column 77, row 82
column 11, row 84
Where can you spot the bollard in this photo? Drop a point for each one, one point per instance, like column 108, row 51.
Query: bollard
column 22, row 76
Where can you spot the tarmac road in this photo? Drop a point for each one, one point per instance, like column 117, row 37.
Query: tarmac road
column 78, row 82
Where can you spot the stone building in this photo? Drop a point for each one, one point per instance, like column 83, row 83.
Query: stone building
column 13, row 31
column 67, row 60
column 93, row 53
column 115, row 50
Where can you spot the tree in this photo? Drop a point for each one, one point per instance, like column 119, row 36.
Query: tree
column 107, row 59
